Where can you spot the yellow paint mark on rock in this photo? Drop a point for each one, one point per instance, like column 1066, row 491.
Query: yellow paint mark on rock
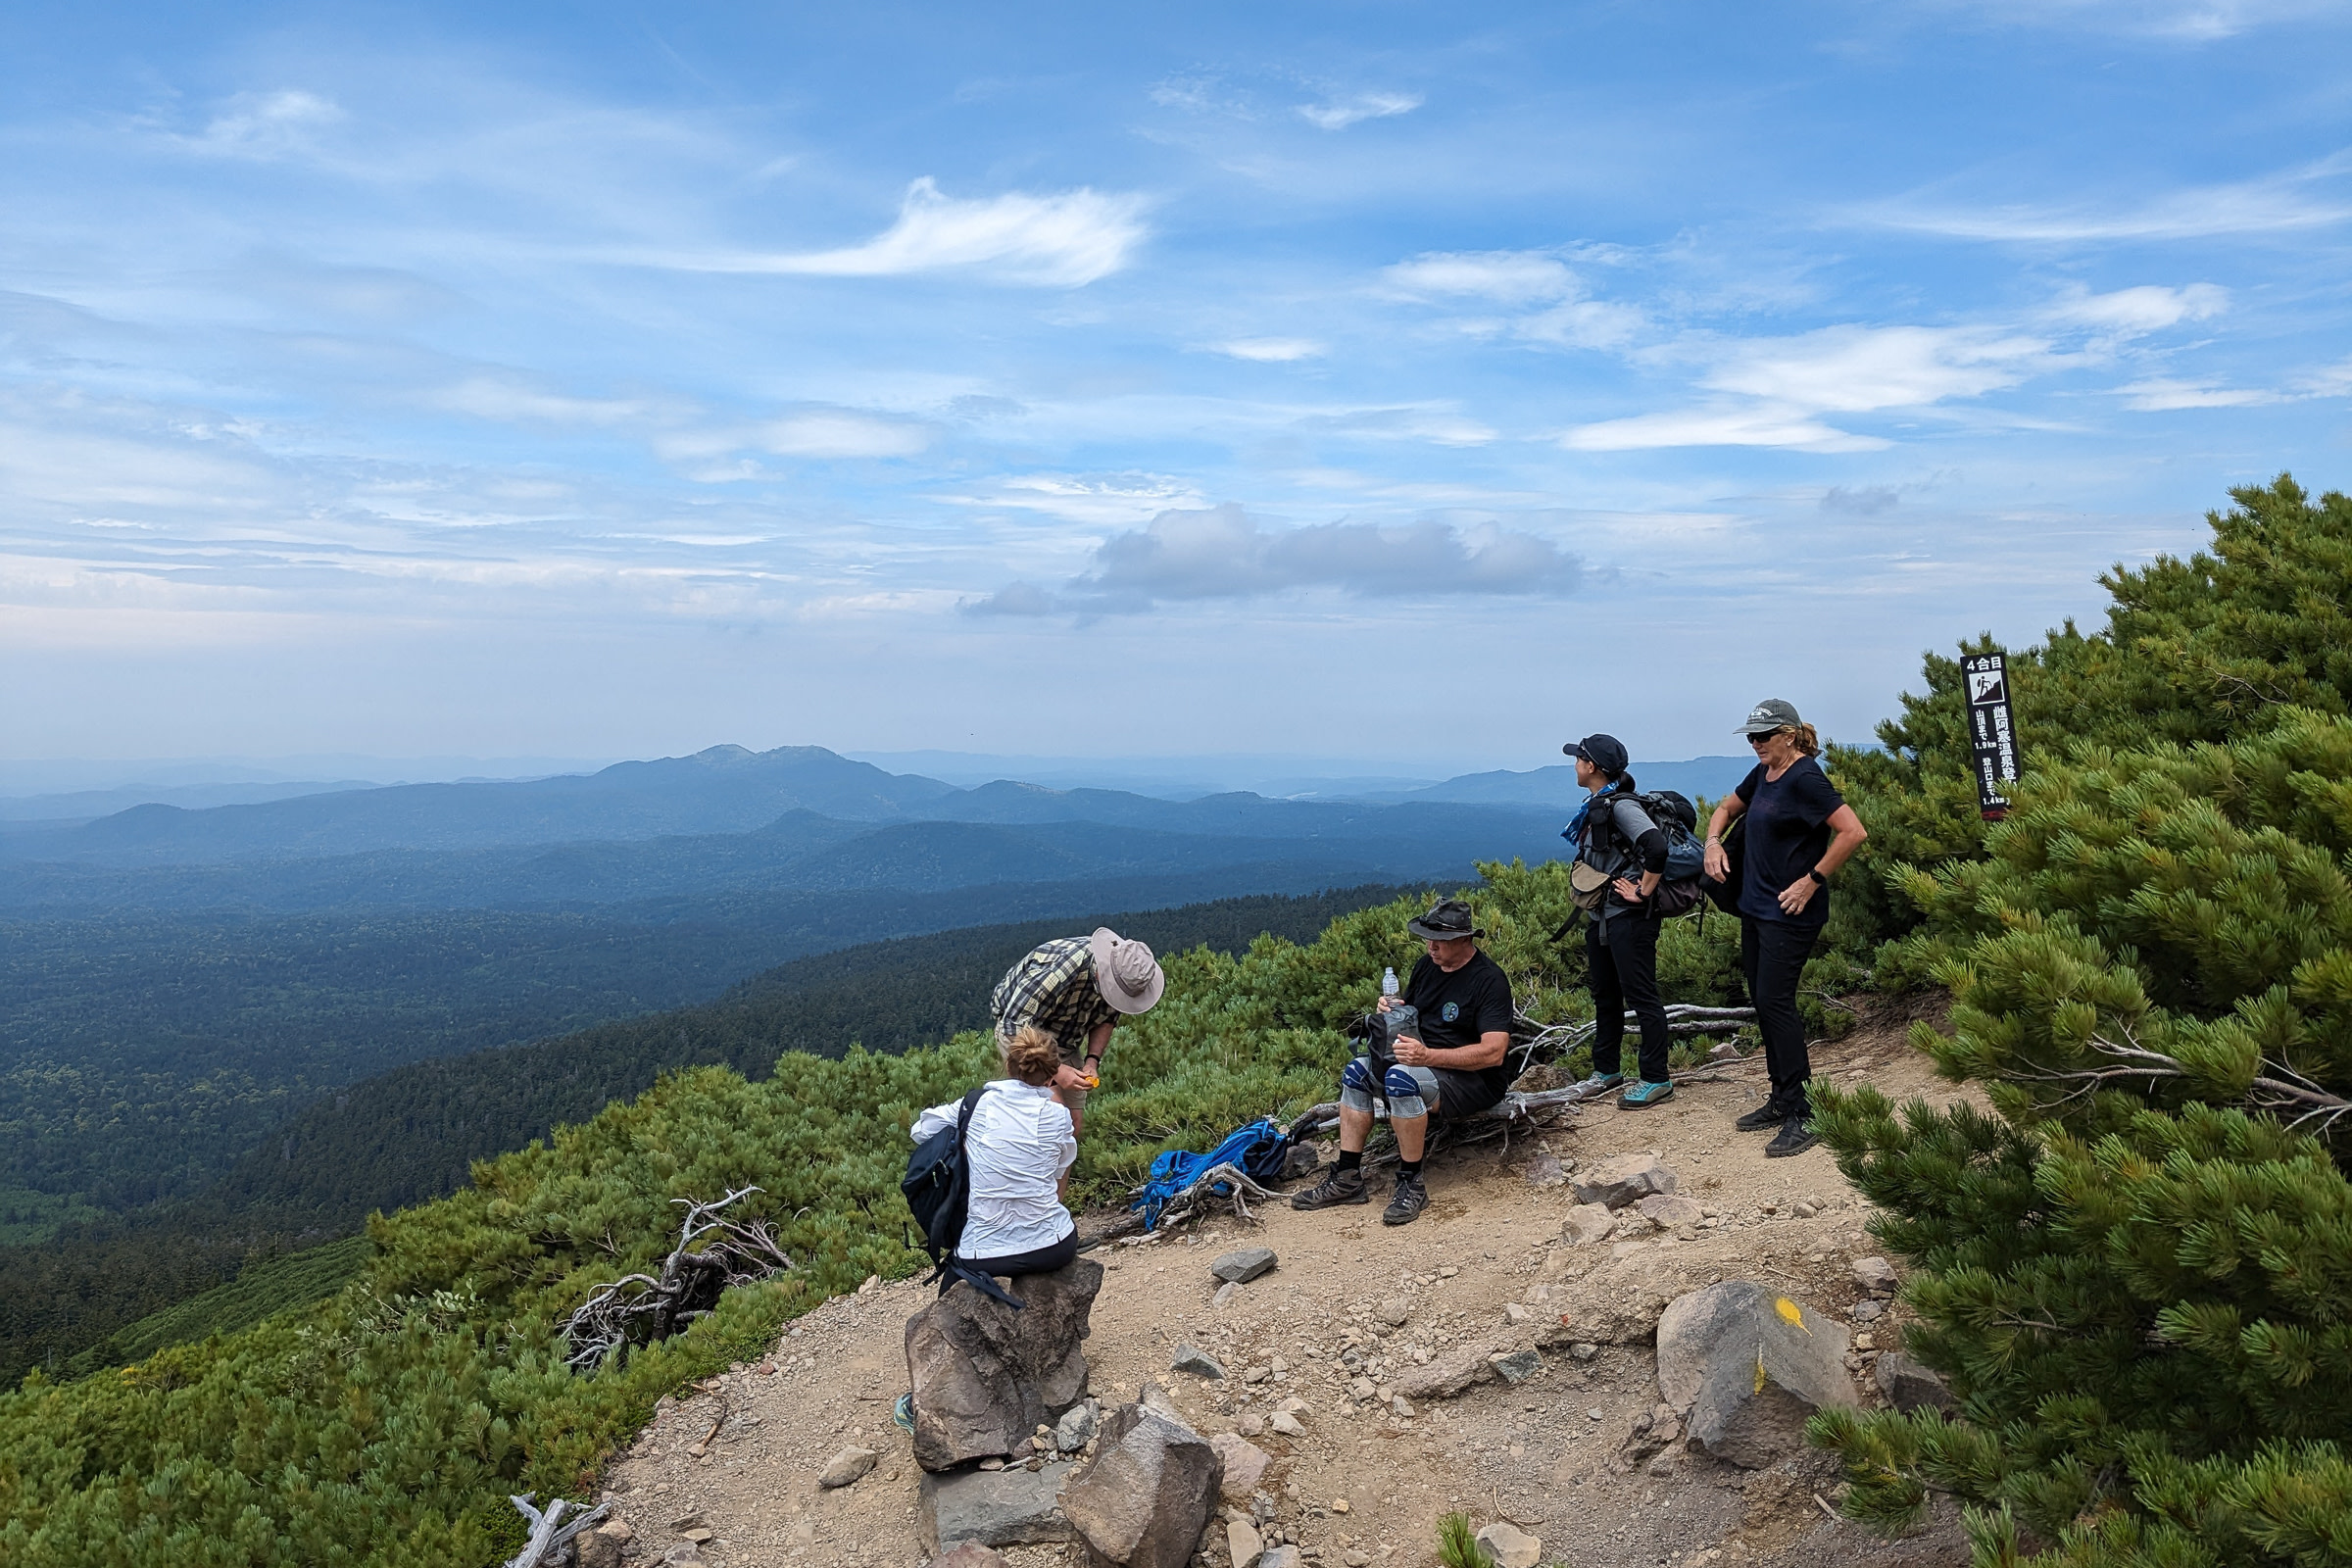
column 1791, row 1312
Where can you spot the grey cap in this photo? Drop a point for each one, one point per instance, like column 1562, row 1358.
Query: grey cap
column 1768, row 716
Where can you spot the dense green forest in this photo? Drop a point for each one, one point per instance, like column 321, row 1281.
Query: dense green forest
column 414, row 1133
column 143, row 1054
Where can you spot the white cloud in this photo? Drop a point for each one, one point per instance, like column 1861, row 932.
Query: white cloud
column 1065, row 240
column 1223, row 553
column 1721, row 425
column 2333, row 381
column 510, row 401
column 1117, row 499
column 1583, row 324
column 1853, row 369
column 1272, row 350
column 2160, row 394
column 264, row 125
column 1440, row 426
column 2274, row 204
column 2185, row 20
column 2149, row 307
column 1340, row 114
column 843, row 435
column 1509, row 277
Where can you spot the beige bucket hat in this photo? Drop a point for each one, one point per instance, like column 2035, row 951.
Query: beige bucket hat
column 1125, row 972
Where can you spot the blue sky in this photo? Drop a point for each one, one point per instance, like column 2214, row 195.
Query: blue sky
column 1412, row 383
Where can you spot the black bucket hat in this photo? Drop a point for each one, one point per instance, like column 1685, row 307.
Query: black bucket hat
column 1448, row 921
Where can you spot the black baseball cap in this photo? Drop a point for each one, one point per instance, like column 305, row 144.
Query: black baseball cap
column 1604, row 752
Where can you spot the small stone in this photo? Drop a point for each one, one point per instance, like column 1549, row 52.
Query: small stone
column 1285, row 1424
column 1910, row 1385
column 766, row 1370
column 1076, row 1428
column 1587, row 1223
column 992, row 1464
column 1876, row 1275
column 1513, row 1313
column 1667, row 1211
column 1196, row 1361
column 1243, row 1543
column 1517, row 1366
column 1280, row 1557
column 1395, row 1311
column 1244, row 1465
column 1583, row 1350
column 1402, row 1406
column 1243, row 1265
column 1338, row 1506
column 1362, row 1389
column 1447, row 1272
column 1356, row 1560
column 1225, row 1292
column 1546, row 1170
column 596, row 1549
column 1295, row 1405
column 1257, row 1374
column 686, row 1557
column 1249, row 1426
column 972, row 1554
column 687, row 1521
column 1867, row 1312
column 1805, row 1210
column 1625, row 1179
column 1510, row 1546
column 701, row 1537
column 847, row 1466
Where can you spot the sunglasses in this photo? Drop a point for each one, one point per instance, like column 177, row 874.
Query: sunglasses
column 1758, row 740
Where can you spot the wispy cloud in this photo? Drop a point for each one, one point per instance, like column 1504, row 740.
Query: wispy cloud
column 1340, row 114
column 2275, row 204
column 1224, row 553
column 2185, row 21
column 264, row 125
column 1445, row 427
column 1065, row 240
column 2162, row 393
column 1272, row 350
column 2149, row 307
column 1720, row 425
column 1507, row 277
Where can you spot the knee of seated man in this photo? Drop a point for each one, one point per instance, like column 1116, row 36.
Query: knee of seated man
column 1357, row 1074
column 1402, row 1084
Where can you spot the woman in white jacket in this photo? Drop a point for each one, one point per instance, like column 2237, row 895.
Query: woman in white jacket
column 1018, row 1148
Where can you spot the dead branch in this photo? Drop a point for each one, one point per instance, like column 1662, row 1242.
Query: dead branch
column 642, row 1308
column 549, row 1534
column 2286, row 1090
column 1550, row 1042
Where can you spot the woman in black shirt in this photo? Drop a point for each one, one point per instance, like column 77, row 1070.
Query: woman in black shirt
column 1800, row 832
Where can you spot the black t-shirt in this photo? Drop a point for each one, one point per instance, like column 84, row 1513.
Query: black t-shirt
column 1457, row 1008
column 1787, row 834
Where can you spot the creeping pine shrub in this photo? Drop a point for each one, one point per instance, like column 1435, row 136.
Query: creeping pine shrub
column 2136, row 1271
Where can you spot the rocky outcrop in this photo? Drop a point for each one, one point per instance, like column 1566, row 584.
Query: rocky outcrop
column 1749, row 1366
column 986, row 1375
column 1143, row 1498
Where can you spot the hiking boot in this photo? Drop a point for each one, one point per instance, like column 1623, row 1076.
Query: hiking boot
column 1643, row 1094
column 1601, row 1083
column 1340, row 1186
column 903, row 1413
column 1406, row 1206
column 1763, row 1116
column 1795, row 1137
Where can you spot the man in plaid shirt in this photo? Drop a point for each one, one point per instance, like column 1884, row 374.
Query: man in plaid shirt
column 1076, row 988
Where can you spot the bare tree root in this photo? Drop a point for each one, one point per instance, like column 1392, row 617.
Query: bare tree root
column 551, row 1538
column 1532, row 1042
column 643, row 1308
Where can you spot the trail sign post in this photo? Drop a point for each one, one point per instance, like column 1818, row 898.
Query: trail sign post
column 1992, row 729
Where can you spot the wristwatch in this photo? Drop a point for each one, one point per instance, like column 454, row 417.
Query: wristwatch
column 1818, row 879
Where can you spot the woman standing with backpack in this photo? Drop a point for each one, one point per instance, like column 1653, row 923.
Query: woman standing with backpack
column 1799, row 831
column 1620, row 859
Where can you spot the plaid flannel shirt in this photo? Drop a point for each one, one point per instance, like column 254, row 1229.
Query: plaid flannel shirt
column 1053, row 988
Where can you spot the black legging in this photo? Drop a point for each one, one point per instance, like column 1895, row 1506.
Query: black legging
column 1037, row 1261
column 1772, row 958
column 1625, row 974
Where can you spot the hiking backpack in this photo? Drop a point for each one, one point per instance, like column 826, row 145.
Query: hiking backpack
column 1681, row 888
column 939, row 1194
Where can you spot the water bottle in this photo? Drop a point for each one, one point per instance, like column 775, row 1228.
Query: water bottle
column 1388, row 982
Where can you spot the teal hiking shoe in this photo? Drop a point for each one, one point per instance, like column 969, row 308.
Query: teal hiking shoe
column 903, row 1413
column 1643, row 1094
column 1601, row 1083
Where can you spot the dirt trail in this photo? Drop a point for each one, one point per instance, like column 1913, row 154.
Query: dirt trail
column 1547, row 1455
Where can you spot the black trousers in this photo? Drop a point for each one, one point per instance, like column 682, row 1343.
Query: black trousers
column 1771, row 957
column 1622, row 975
column 1037, row 1261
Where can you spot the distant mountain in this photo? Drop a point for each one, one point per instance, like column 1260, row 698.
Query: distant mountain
column 82, row 806
column 725, row 789
column 1556, row 788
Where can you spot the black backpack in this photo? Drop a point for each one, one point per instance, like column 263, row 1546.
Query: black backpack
column 938, row 1193
column 1682, row 887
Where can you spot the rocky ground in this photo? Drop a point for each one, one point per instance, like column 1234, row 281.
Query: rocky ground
column 1337, row 1361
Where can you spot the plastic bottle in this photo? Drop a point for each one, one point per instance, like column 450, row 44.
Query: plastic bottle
column 1388, row 982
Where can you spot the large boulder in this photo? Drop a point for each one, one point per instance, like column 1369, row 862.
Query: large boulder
column 1624, row 1179
column 1750, row 1365
column 1017, row 1507
column 1143, row 1498
column 985, row 1375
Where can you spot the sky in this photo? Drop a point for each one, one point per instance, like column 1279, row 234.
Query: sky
column 1420, row 385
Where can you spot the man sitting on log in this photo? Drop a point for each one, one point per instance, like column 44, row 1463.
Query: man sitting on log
column 1077, row 989
column 1455, row 1067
